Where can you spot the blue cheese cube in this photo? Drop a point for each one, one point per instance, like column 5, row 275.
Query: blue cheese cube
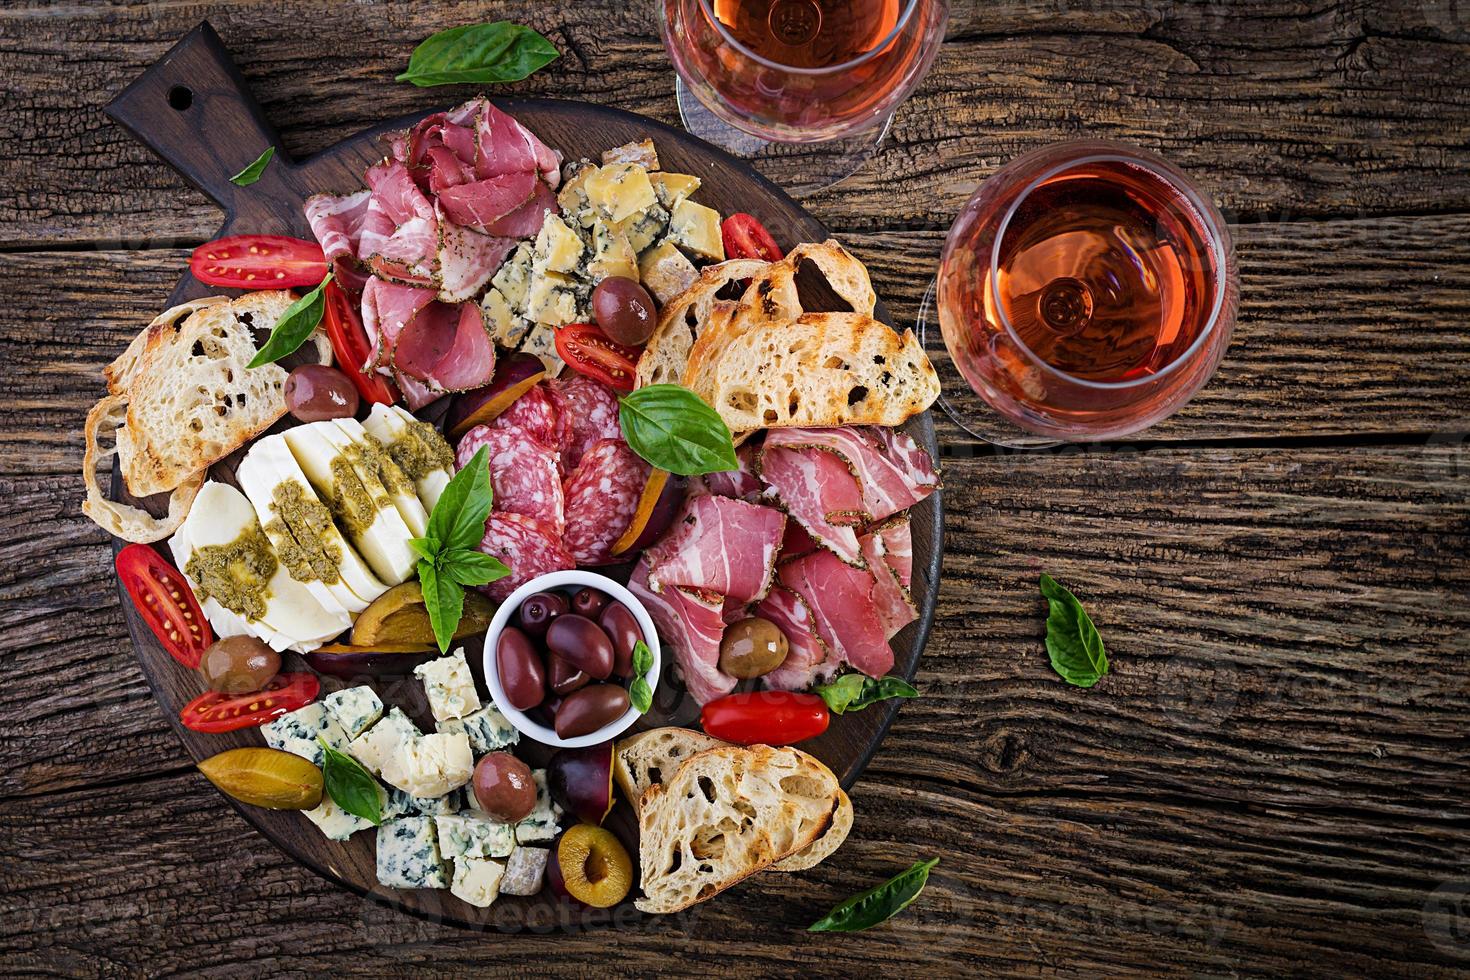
column 673, row 188
column 666, row 271
column 408, row 854
column 558, row 248
column 487, row 729
column 619, row 190
column 542, row 343
column 524, row 871
column 297, row 732
column 507, row 327
column 541, row 823
column 449, row 685
column 355, row 709
column 336, row 823
column 384, row 741
column 477, row 880
column 643, row 228
column 514, row 278
column 472, row 834
column 405, row 804
column 552, row 299
column 696, row 228
column 612, row 255
column 432, row 765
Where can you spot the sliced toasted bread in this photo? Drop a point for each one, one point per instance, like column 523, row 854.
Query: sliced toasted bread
column 823, row 369
column 649, row 758
column 831, row 839
column 726, row 814
column 666, row 355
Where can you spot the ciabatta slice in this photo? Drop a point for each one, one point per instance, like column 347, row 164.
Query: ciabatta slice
column 831, row 839
column 652, row 757
column 666, row 355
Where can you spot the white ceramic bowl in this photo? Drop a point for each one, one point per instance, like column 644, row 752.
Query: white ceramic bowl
column 569, row 582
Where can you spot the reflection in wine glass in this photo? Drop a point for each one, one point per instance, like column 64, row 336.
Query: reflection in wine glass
column 1086, row 292
column 806, row 88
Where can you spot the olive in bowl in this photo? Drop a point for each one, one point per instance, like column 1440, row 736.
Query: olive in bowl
column 568, row 686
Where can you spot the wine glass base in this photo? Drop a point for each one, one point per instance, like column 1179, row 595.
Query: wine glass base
column 959, row 401
column 800, row 168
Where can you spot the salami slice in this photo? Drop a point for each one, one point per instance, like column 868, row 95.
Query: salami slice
column 523, row 473
column 535, row 414
column 592, row 414
column 602, row 496
column 528, row 549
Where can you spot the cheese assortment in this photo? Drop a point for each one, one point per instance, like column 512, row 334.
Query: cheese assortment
column 624, row 217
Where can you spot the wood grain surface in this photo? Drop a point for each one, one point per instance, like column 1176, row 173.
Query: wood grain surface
column 1271, row 782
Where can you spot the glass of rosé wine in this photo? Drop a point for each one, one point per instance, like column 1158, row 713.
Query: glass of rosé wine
column 1086, row 291
column 804, row 88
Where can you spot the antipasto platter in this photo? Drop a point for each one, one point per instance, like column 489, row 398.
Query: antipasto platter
column 644, row 674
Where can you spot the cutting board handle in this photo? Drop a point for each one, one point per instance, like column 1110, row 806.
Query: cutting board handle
column 194, row 109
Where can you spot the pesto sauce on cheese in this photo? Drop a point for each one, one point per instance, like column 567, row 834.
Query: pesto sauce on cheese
column 349, row 501
column 420, row 450
column 370, row 456
column 302, row 533
column 236, row 575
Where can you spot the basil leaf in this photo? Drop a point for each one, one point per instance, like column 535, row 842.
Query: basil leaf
column 479, row 54
column 642, row 658
column 876, row 904
column 1072, row 642
column 854, row 692
column 426, row 548
column 458, row 520
column 252, row 173
column 640, row 694
column 444, row 599
column 468, row 567
column 294, row 327
column 675, row 430
column 351, row 786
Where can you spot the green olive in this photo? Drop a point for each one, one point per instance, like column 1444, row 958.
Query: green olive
column 238, row 665
column 752, row 648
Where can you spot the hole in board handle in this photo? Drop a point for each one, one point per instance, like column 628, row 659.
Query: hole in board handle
column 180, row 98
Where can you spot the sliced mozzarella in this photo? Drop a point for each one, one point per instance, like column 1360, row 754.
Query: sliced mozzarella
column 357, row 499
column 390, row 423
column 401, row 490
column 307, row 542
column 224, row 622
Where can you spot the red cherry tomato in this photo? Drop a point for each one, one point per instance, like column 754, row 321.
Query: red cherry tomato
column 166, row 602
column 259, row 262
column 587, row 350
column 765, row 717
column 350, row 345
column 213, row 711
column 747, row 238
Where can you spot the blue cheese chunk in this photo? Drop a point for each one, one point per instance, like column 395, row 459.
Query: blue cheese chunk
column 336, row 823
column 612, row 255
column 666, row 271
column 297, row 732
column 408, row 854
column 477, row 880
column 643, row 228
column 542, row 343
column 449, row 685
column 507, row 327
column 475, row 835
column 557, row 249
column 487, row 729
column 673, row 188
column 431, row 765
column 514, row 278
column 552, row 299
column 404, row 804
column 696, row 229
column 619, row 190
column 524, row 871
column 355, row 709
column 541, row 823
column 384, row 741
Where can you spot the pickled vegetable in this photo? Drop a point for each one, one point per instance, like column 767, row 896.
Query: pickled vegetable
column 752, row 648
column 582, row 643
column 238, row 664
column 504, row 788
column 265, row 777
column 521, row 674
column 624, row 310
column 398, row 619
column 585, row 711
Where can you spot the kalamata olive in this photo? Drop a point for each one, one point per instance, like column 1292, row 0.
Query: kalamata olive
column 540, row 609
column 582, row 643
column 238, row 664
column 624, row 310
column 504, row 787
column 562, row 677
column 316, row 391
column 521, row 675
column 587, row 710
column 589, row 602
column 618, row 622
column 752, row 648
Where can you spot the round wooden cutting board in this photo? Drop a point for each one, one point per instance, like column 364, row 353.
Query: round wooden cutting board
column 194, row 109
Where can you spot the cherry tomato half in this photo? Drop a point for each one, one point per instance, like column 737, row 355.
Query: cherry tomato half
column 765, row 717
column 166, row 602
column 259, row 262
column 351, row 347
column 747, row 238
column 213, row 711
column 587, row 350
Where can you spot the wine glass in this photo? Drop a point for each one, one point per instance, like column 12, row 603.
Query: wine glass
column 805, row 88
column 1086, row 291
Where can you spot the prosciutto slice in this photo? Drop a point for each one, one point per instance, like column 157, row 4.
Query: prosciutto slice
column 447, row 347
column 898, row 548
column 818, row 491
column 337, row 222
column 408, row 255
column 386, row 310
column 691, row 626
column 483, row 203
column 893, row 472
column 891, row 600
column 722, row 545
column 741, row 483
column 504, row 146
column 809, row 660
column 842, row 604
column 527, row 219
column 467, row 260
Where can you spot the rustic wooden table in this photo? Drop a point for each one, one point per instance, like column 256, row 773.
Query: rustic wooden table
column 1272, row 780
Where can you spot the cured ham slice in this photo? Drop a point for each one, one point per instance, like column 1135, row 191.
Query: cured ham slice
column 504, row 146
column 386, row 310
column 742, row 483
column 892, row 471
column 408, row 255
column 891, row 600
column 523, row 474
column 796, row 542
column 447, row 347
column 898, row 548
column 818, row 491
column 722, row 545
column 415, row 392
column 602, row 497
column 841, row 600
column 528, row 549
column 526, row 220
column 337, row 222
column 591, row 411
column 483, row 203
column 809, row 660
column 466, row 260
column 690, row 624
